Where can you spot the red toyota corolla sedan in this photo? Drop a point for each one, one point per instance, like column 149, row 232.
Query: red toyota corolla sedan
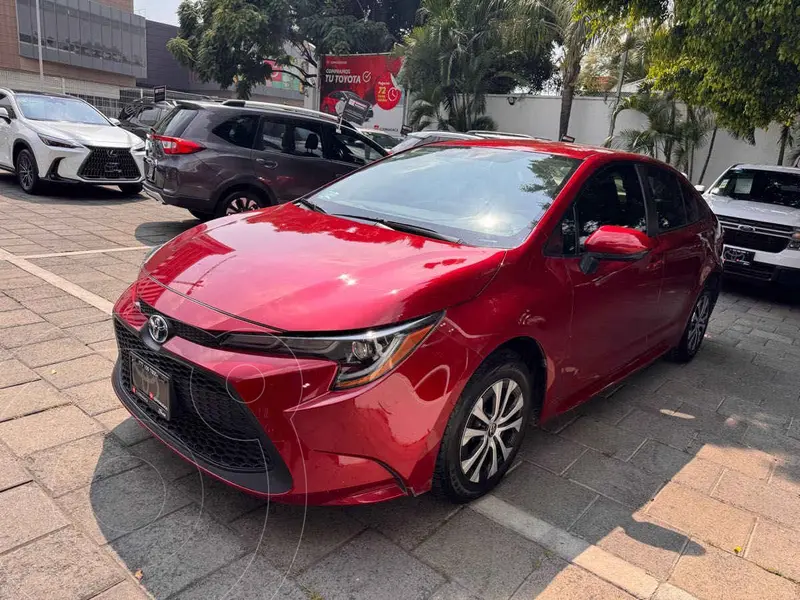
column 399, row 330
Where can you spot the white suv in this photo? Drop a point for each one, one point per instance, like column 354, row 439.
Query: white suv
column 53, row 137
column 758, row 207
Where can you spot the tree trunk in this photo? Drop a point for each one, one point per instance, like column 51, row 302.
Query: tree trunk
column 708, row 156
column 669, row 141
column 612, row 125
column 784, row 141
column 567, row 95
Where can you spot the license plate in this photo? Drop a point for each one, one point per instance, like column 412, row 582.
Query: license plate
column 737, row 256
column 151, row 385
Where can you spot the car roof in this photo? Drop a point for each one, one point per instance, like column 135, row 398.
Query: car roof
column 578, row 151
column 266, row 107
column 774, row 168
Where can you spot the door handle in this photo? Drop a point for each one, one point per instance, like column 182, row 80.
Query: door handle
column 270, row 164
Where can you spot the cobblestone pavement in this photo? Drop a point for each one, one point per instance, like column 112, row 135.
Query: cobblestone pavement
column 685, row 482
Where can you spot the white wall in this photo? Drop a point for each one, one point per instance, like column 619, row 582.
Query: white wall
column 539, row 115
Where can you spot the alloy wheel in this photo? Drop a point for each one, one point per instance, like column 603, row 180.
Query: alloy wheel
column 241, row 204
column 492, row 430
column 699, row 322
column 25, row 172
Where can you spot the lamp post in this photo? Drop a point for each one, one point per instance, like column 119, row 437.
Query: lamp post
column 39, row 39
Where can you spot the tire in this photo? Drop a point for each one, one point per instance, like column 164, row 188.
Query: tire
column 695, row 330
column 27, row 171
column 238, row 202
column 131, row 189
column 202, row 216
column 463, row 471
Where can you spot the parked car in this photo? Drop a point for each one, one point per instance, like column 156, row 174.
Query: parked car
column 430, row 136
column 398, row 330
column 141, row 115
column 385, row 139
column 330, row 103
column 216, row 159
column 759, row 208
column 54, row 137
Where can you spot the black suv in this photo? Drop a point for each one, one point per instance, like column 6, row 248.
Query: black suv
column 140, row 115
column 216, row 159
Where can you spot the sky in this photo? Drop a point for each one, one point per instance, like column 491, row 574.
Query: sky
column 163, row 11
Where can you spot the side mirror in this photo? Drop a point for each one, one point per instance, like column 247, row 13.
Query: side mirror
column 113, row 121
column 4, row 114
column 700, row 188
column 611, row 242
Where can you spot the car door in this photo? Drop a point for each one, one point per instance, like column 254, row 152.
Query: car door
column 288, row 157
column 614, row 307
column 680, row 241
column 346, row 150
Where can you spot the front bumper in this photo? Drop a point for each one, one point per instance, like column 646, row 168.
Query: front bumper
column 71, row 165
column 320, row 446
column 782, row 268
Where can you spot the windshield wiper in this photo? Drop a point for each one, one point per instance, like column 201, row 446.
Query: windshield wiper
column 309, row 204
column 405, row 227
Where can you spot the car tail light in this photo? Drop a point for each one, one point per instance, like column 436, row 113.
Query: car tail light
column 173, row 145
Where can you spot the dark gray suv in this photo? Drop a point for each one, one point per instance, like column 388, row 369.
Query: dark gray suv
column 216, row 159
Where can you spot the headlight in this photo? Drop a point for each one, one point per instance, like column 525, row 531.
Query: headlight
column 56, row 143
column 362, row 357
column 795, row 243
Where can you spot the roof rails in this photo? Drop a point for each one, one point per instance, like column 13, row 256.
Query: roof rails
column 280, row 107
column 499, row 134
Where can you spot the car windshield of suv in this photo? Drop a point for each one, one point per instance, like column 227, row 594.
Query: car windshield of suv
column 755, row 185
column 482, row 196
column 52, row 108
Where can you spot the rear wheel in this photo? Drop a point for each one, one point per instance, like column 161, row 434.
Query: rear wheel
column 695, row 330
column 131, row 189
column 239, row 202
column 485, row 431
column 27, row 171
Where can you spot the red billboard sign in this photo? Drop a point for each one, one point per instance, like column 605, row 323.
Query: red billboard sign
column 370, row 77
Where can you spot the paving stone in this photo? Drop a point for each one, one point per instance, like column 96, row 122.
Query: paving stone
column 750, row 461
column 615, row 479
column 776, row 549
column 556, row 579
column 124, row 426
column 107, row 349
column 51, row 351
column 686, row 393
column 44, row 306
column 293, row 537
column 13, row 372
column 93, row 332
column 112, row 507
column 549, row 451
column 633, row 537
column 780, row 505
column 7, row 303
column 709, row 421
column 26, row 513
column 223, row 502
column 76, row 316
column 753, row 413
column 123, row 591
column 177, row 550
column 483, row 557
column 168, row 464
column 29, row 398
column 74, row 372
column 246, row 578
column 771, row 336
column 406, row 521
column 76, row 464
column 773, row 442
column 13, row 337
column 11, row 472
column 604, row 438
column 607, row 409
column 452, row 591
column 666, row 427
column 95, row 397
column 660, row 459
column 46, row 429
column 702, row 517
column 698, row 474
column 718, row 575
column 63, row 565
column 13, row 318
column 547, row 496
column 787, row 476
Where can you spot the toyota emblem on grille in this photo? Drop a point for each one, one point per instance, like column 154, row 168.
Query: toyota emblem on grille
column 158, row 328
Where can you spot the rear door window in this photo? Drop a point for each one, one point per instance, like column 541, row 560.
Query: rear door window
column 667, row 197
column 306, row 141
column 274, row 136
column 239, row 130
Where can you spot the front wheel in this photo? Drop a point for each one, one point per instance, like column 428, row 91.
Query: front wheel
column 131, row 189
column 695, row 331
column 486, row 429
column 27, row 171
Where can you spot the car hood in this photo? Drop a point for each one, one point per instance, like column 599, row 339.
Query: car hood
column 755, row 211
column 89, row 135
column 292, row 269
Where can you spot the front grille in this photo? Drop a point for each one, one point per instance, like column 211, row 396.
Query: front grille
column 185, row 331
column 757, row 224
column 109, row 163
column 755, row 241
column 205, row 418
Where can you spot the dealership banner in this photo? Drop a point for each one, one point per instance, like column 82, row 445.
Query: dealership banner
column 368, row 77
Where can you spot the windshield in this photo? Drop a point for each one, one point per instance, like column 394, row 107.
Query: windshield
column 769, row 187
column 53, row 108
column 483, row 196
